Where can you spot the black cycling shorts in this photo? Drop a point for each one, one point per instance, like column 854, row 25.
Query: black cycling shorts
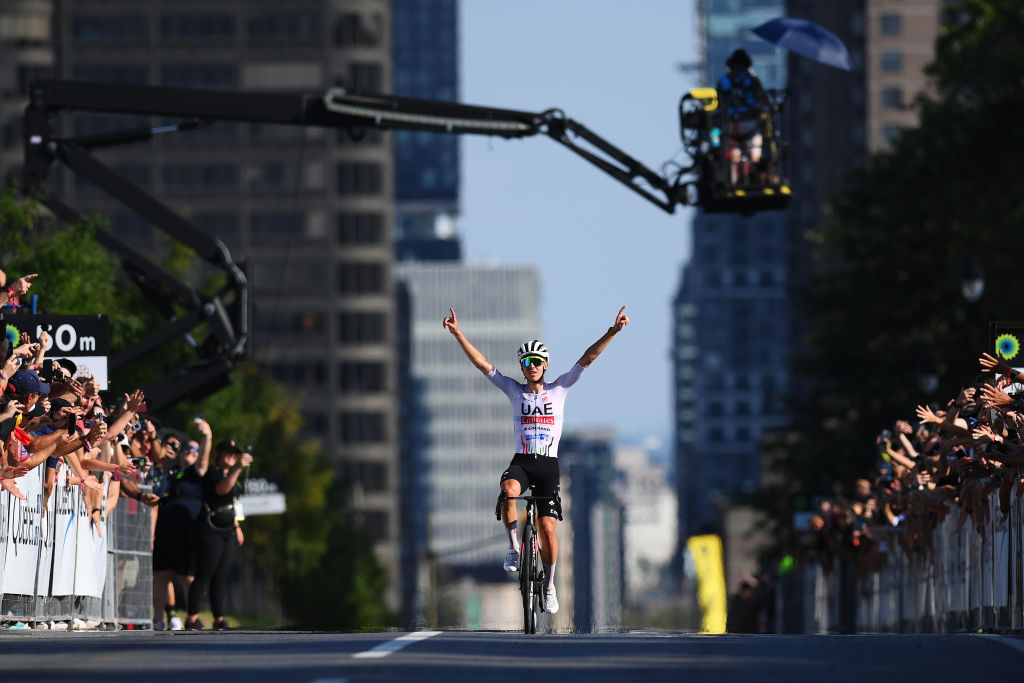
column 540, row 474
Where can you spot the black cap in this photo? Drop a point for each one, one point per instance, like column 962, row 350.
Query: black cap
column 228, row 446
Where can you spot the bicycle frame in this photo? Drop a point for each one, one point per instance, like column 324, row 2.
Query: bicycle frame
column 531, row 572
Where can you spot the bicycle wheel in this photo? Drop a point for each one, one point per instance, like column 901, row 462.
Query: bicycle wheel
column 527, row 584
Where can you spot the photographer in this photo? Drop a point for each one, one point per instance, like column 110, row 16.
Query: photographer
column 217, row 534
column 180, row 507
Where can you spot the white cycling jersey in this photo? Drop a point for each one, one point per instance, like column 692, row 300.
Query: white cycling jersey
column 537, row 418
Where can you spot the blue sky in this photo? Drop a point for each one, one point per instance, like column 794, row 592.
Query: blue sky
column 598, row 245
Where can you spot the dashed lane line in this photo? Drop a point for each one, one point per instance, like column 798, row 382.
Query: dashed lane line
column 384, row 649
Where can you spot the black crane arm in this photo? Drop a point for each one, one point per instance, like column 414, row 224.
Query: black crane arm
column 227, row 313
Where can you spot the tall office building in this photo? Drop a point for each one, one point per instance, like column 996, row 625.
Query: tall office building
column 309, row 209
column 26, row 49
column 425, row 50
column 729, row 331
column 900, row 42
column 461, row 430
column 592, row 553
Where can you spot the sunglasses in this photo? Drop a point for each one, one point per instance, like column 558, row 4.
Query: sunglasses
column 532, row 360
column 192, row 448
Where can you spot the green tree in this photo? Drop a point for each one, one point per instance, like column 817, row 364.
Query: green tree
column 886, row 301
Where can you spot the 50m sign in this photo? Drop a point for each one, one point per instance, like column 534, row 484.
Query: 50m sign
column 84, row 339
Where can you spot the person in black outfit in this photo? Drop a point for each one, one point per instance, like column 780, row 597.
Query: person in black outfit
column 217, row 534
column 180, row 506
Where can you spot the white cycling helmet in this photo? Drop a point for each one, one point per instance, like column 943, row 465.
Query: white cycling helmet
column 532, row 348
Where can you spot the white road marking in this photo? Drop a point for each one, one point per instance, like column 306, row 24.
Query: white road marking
column 384, row 649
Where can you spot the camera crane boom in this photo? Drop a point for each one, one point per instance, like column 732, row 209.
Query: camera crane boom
column 227, row 313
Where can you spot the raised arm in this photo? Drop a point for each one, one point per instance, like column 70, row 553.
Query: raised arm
column 591, row 354
column 475, row 357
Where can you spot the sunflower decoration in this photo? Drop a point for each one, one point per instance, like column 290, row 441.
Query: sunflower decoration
column 1007, row 346
column 13, row 335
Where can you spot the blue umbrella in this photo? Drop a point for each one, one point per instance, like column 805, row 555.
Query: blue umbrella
column 806, row 38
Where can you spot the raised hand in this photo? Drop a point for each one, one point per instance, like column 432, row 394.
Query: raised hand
column 450, row 323
column 621, row 320
column 21, row 285
column 12, row 409
column 925, row 414
column 993, row 397
column 134, row 401
column 991, row 363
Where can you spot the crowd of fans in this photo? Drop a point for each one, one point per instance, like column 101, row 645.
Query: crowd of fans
column 54, row 417
column 955, row 457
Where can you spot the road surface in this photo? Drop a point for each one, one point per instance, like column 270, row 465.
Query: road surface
column 252, row 656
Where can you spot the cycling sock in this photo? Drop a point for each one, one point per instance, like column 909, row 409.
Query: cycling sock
column 549, row 576
column 513, row 536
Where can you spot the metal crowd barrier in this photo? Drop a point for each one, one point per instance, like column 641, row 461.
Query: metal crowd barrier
column 55, row 567
column 967, row 580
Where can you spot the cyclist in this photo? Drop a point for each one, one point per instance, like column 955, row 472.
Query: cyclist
column 538, row 407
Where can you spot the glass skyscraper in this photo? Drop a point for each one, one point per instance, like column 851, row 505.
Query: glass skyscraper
column 729, row 330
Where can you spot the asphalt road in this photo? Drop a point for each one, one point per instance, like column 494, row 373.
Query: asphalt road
column 494, row 657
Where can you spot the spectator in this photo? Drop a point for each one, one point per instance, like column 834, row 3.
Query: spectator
column 217, row 534
column 173, row 553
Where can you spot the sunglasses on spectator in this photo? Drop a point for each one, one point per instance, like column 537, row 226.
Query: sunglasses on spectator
column 192, row 448
column 532, row 360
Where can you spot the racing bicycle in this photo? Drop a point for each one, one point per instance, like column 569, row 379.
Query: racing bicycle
column 531, row 570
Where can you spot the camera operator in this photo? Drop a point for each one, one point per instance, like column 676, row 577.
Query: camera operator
column 217, row 534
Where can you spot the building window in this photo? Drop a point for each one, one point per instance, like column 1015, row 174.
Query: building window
column 267, row 227
column 288, row 274
column 365, row 77
column 891, row 24
column 364, row 30
column 361, row 328
column 289, row 323
column 223, row 225
column 289, row 27
column 188, row 27
column 360, row 178
column 199, row 75
column 361, row 378
column 892, row 61
column 361, row 278
column 372, row 476
column 361, row 427
column 890, row 133
column 376, row 523
column 125, row 74
column 209, row 177
column 716, row 434
column 300, row 374
column 892, row 98
column 107, row 29
column 360, row 228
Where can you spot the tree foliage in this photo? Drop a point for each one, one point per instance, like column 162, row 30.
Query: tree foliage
column 885, row 302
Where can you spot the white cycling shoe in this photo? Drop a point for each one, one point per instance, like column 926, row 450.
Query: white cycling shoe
column 550, row 602
column 511, row 561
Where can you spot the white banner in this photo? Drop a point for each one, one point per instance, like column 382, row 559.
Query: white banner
column 65, row 534
column 86, row 581
column 46, row 531
column 23, row 535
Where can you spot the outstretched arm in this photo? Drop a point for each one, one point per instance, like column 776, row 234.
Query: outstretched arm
column 474, row 355
column 591, row 354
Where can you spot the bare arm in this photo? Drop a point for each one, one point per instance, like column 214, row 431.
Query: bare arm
column 475, row 357
column 225, row 485
column 204, row 449
column 591, row 354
